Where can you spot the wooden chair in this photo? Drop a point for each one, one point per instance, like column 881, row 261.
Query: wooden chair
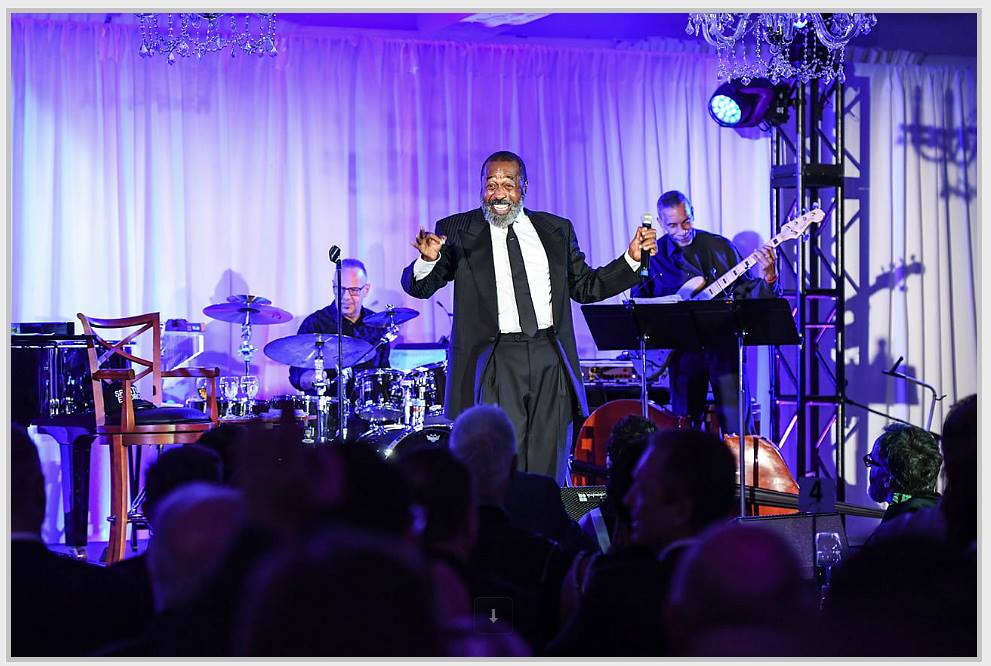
column 155, row 425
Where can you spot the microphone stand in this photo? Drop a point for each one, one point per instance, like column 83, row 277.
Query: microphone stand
column 901, row 375
column 342, row 427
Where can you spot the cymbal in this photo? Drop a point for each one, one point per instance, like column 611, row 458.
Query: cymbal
column 257, row 313
column 301, row 350
column 391, row 317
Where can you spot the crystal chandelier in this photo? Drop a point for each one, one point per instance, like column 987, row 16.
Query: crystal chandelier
column 805, row 46
column 195, row 34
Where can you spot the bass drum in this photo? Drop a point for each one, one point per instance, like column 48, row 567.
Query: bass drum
column 393, row 442
column 588, row 454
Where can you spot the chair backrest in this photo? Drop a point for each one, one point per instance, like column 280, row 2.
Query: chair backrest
column 101, row 352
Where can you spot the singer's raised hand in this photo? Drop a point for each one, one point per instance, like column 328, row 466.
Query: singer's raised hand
column 644, row 239
column 429, row 244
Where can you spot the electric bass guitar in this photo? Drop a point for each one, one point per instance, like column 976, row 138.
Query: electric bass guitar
column 695, row 288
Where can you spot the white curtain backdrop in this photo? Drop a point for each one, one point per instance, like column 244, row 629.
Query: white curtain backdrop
column 912, row 259
column 139, row 187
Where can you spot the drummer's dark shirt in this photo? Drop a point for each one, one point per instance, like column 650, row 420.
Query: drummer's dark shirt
column 325, row 321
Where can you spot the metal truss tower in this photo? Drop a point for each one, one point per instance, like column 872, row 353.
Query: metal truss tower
column 807, row 382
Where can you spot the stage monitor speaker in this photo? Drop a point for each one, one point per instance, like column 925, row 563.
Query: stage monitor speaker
column 579, row 500
column 799, row 530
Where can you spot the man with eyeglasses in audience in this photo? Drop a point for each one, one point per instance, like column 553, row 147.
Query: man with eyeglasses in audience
column 903, row 467
column 355, row 287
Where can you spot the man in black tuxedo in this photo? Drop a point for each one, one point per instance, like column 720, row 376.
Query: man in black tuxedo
column 513, row 340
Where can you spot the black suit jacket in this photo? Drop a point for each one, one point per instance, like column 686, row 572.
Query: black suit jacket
column 534, row 503
column 466, row 258
column 60, row 607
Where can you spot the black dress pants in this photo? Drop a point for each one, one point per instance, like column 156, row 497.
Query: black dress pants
column 691, row 373
column 526, row 377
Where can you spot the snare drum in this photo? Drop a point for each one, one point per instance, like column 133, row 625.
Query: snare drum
column 392, row 442
column 379, row 395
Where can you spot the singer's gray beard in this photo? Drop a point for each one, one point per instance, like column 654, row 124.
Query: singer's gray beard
column 502, row 221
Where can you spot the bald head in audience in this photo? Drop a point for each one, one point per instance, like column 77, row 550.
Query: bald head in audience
column 194, row 527
column 484, row 440
column 739, row 580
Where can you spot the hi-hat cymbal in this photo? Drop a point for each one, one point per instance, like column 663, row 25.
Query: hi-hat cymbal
column 391, row 317
column 301, row 350
column 256, row 313
column 248, row 299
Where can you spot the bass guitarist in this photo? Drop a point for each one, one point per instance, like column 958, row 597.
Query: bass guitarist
column 687, row 260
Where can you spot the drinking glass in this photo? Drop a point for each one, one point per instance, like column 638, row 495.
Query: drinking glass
column 249, row 387
column 230, row 386
column 829, row 552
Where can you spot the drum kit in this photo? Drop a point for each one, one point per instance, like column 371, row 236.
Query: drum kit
column 396, row 409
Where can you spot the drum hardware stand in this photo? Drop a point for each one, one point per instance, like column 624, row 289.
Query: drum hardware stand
column 414, row 406
column 247, row 351
column 320, row 384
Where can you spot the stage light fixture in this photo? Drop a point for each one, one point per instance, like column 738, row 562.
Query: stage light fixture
column 760, row 102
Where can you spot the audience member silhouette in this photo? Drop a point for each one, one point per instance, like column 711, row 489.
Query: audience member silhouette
column 533, row 503
column 739, row 593
column 447, row 527
column 960, row 463
column 955, row 517
column 343, row 592
column 375, row 497
column 683, row 484
column 526, row 563
column 906, row 596
column 194, row 528
column 609, row 523
column 339, row 551
column 173, row 468
column 59, row 607
column 446, row 524
column 223, row 440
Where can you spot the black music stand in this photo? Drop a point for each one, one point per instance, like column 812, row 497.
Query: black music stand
column 694, row 326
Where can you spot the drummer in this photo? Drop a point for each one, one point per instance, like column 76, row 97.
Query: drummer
column 355, row 287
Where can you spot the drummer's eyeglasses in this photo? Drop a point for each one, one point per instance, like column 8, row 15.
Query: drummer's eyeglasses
column 355, row 291
column 870, row 462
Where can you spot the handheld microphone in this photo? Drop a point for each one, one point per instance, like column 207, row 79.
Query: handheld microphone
column 645, row 220
column 335, row 254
